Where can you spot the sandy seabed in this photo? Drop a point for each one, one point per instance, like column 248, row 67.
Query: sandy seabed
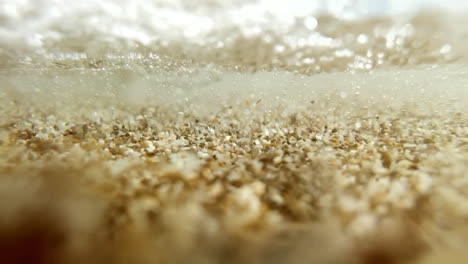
column 250, row 168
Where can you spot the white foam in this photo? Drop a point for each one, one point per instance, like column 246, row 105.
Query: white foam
column 31, row 24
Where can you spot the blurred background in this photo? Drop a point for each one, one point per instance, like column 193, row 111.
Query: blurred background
column 33, row 22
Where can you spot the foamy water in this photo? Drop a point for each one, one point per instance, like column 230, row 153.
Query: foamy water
column 307, row 37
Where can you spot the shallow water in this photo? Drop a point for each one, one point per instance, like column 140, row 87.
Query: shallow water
column 195, row 132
